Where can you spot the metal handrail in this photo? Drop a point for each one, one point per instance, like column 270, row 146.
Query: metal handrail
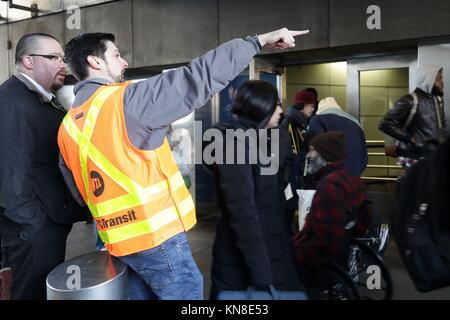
column 384, row 166
column 374, row 141
column 375, row 144
column 379, row 178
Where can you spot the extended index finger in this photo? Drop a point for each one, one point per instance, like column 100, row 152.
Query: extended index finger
column 298, row 33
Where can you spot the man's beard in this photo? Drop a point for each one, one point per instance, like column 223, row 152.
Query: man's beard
column 56, row 85
column 118, row 78
column 315, row 164
column 437, row 92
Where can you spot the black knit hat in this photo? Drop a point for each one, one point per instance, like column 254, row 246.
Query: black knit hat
column 330, row 145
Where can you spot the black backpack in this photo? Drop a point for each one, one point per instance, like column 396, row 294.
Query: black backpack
column 421, row 223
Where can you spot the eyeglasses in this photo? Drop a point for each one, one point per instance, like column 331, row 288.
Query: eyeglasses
column 52, row 57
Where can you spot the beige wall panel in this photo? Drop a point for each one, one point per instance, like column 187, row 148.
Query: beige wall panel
column 373, row 101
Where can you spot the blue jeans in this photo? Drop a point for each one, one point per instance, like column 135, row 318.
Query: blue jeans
column 99, row 245
column 166, row 272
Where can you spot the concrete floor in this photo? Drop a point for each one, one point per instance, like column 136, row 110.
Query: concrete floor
column 81, row 240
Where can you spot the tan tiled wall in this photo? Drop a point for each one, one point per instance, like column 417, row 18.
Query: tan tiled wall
column 379, row 90
column 329, row 79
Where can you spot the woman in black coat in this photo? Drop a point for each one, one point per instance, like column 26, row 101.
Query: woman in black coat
column 252, row 247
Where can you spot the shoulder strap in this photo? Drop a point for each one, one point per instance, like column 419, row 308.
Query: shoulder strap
column 413, row 110
column 293, row 140
column 438, row 107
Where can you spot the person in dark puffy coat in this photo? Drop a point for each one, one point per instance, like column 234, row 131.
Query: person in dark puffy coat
column 294, row 127
column 331, row 117
column 252, row 247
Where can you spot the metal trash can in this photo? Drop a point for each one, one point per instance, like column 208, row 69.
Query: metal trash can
column 93, row 276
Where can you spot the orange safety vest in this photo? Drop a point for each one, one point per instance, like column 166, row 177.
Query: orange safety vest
column 137, row 197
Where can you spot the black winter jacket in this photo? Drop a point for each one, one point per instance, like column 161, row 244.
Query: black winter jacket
column 356, row 157
column 295, row 146
column 424, row 127
column 31, row 185
column 252, row 246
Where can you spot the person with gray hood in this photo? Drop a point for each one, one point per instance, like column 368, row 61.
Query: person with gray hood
column 427, row 127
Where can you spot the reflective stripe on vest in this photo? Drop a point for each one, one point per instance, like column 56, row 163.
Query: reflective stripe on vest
column 88, row 129
column 150, row 225
column 136, row 194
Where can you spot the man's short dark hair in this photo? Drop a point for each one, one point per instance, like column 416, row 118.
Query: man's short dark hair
column 28, row 44
column 79, row 48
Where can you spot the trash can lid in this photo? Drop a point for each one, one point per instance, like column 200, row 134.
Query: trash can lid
column 86, row 271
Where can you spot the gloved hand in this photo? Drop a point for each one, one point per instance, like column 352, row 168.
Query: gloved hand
column 412, row 150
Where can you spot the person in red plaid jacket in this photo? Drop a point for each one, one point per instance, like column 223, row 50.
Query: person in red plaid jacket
column 339, row 208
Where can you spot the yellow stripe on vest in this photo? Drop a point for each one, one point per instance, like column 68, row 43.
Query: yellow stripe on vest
column 147, row 226
column 137, row 195
column 128, row 201
column 88, row 129
column 132, row 199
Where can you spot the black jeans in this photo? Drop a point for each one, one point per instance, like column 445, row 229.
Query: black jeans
column 33, row 259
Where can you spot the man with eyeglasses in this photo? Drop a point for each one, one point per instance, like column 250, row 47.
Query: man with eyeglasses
column 36, row 213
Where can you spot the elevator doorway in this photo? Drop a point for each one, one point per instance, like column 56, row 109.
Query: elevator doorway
column 373, row 87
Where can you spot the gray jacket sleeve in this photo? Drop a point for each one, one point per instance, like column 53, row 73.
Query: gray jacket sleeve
column 158, row 101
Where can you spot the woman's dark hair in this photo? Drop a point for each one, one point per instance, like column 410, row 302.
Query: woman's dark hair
column 255, row 100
